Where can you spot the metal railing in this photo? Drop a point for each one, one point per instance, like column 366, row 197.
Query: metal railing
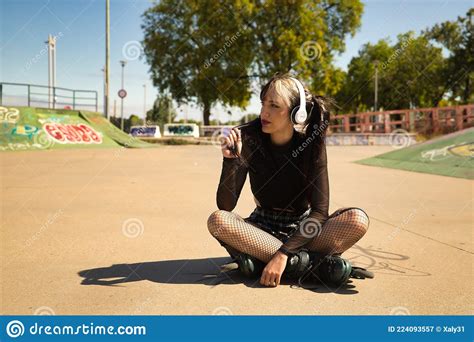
column 421, row 120
column 31, row 95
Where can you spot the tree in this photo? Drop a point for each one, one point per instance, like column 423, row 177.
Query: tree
column 457, row 37
column 208, row 51
column 357, row 92
column 409, row 75
column 196, row 49
column 162, row 111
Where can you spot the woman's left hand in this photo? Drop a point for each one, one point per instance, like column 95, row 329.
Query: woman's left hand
column 273, row 271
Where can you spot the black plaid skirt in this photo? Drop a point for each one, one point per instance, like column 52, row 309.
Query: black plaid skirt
column 280, row 224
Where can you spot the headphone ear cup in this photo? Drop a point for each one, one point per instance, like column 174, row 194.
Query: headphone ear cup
column 298, row 118
column 293, row 115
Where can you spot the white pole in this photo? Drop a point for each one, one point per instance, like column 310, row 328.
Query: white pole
column 49, row 70
column 54, row 70
column 107, row 59
column 144, row 101
column 376, row 87
column 122, row 63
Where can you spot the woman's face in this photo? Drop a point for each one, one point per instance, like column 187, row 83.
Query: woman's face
column 274, row 113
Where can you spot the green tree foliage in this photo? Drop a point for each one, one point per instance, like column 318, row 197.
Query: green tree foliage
column 162, row 112
column 458, row 75
column 413, row 72
column 409, row 75
column 209, row 51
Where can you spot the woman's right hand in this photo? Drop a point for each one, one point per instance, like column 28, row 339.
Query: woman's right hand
column 234, row 138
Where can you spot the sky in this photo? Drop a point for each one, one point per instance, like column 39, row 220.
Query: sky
column 80, row 28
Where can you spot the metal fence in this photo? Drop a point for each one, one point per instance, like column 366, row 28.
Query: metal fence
column 421, row 120
column 32, row 95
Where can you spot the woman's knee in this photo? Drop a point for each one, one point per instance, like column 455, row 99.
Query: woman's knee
column 360, row 220
column 216, row 221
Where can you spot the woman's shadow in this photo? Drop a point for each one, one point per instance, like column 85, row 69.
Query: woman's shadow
column 187, row 271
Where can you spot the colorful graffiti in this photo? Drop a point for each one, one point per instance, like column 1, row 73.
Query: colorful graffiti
column 464, row 149
column 72, row 133
column 9, row 115
column 25, row 130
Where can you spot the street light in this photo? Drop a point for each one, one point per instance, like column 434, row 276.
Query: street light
column 376, row 86
column 107, row 59
column 122, row 63
column 144, row 100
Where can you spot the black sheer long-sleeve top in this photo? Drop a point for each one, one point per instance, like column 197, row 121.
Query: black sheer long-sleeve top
column 277, row 180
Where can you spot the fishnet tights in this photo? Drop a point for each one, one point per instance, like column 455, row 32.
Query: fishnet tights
column 341, row 231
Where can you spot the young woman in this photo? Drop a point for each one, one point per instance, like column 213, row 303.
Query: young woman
column 289, row 180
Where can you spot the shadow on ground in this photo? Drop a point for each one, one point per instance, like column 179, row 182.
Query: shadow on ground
column 207, row 271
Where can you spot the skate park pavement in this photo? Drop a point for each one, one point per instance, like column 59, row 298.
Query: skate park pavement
column 123, row 232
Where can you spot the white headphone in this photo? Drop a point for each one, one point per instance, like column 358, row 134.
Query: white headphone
column 298, row 114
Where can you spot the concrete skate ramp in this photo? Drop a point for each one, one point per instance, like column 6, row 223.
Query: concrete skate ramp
column 27, row 128
column 102, row 124
column 450, row 155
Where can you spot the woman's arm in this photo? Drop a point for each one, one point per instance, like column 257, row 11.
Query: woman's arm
column 310, row 227
column 233, row 175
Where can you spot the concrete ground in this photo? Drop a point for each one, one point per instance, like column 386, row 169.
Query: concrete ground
column 123, row 231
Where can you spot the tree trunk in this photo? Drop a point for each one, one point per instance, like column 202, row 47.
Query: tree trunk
column 467, row 89
column 207, row 112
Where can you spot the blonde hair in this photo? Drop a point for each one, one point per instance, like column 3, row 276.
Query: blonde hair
column 285, row 88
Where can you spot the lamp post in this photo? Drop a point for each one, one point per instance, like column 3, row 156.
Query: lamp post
column 376, row 85
column 144, row 101
column 107, row 60
column 51, row 71
column 122, row 63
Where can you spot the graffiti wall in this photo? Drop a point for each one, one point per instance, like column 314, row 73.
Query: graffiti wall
column 24, row 128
